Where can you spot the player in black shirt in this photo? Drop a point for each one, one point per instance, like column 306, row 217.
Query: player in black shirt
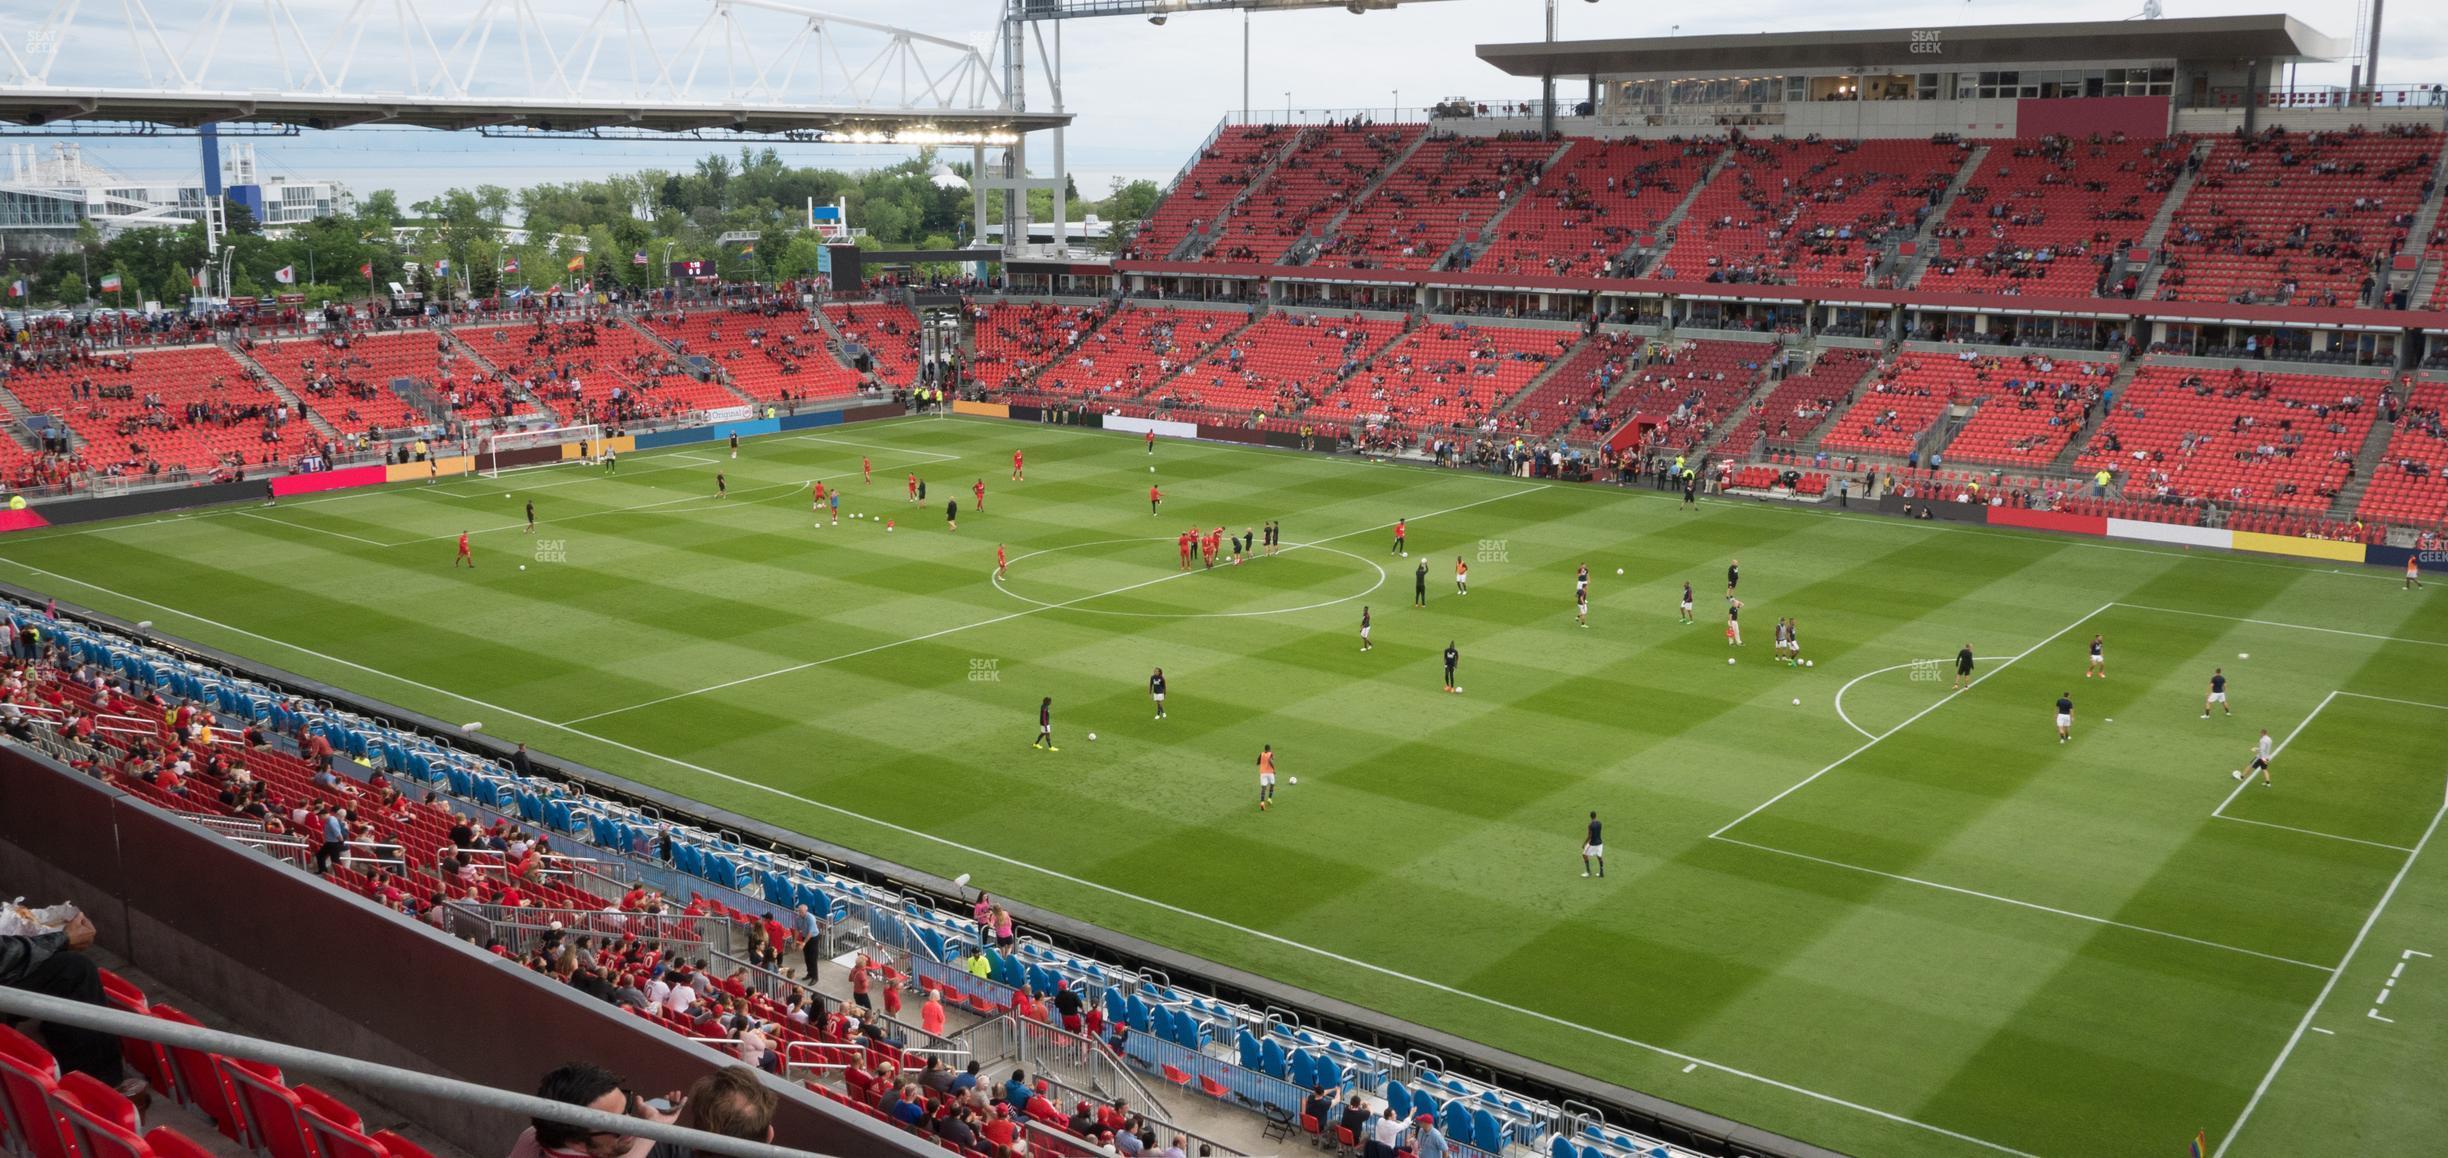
column 1691, row 489
column 2218, row 693
column 1419, row 585
column 1733, row 575
column 1452, row 658
column 531, row 516
column 1687, row 604
column 1156, row 688
column 1594, row 848
column 722, row 486
column 1045, row 726
column 1364, row 630
column 2065, row 716
column 952, row 514
column 1963, row 668
column 2099, row 658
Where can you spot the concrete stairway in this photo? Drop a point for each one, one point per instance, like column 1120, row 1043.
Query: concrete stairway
column 2157, row 233
column 1925, row 237
column 2367, row 461
column 1308, row 246
column 1487, row 229
column 466, row 349
column 1667, row 225
column 17, row 427
column 2074, row 446
column 265, row 375
column 1198, row 241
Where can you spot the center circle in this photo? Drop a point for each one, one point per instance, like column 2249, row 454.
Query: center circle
column 1077, row 603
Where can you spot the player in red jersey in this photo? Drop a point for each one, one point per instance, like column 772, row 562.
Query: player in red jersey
column 1001, row 563
column 819, row 496
column 1400, row 548
column 866, row 470
column 913, row 487
column 1154, row 497
column 1209, row 545
column 465, row 555
column 1183, row 543
column 1015, row 466
column 980, row 491
column 1151, row 441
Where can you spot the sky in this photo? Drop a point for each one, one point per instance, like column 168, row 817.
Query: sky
column 1143, row 96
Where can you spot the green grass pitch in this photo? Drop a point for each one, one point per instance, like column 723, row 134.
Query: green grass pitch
column 1891, row 919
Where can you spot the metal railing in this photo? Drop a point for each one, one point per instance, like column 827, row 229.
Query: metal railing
column 293, row 1059
column 1048, row 1051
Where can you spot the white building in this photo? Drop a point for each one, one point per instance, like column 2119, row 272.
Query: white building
column 46, row 193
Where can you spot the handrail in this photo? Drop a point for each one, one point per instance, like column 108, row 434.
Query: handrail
column 61, row 1011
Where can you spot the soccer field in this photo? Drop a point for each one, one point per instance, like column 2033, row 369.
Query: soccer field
column 1891, row 919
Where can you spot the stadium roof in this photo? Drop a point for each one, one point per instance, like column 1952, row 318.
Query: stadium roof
column 52, row 105
column 2267, row 38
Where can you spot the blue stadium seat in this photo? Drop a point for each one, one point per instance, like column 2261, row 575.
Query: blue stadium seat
column 1304, row 1071
column 1251, row 1054
column 1271, row 1061
column 1486, row 1134
column 1458, row 1120
column 1562, row 1147
column 1398, row 1099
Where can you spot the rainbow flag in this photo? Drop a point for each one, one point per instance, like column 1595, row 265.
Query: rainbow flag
column 2201, row 1145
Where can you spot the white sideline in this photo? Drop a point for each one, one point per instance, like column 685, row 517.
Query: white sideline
column 1067, row 878
column 2278, row 623
column 2360, row 935
column 1165, row 578
column 2022, row 904
column 2238, row 790
column 1934, row 705
column 2220, row 812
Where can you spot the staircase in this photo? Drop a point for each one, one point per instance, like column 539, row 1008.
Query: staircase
column 1811, row 438
column 2157, row 233
column 450, row 337
column 2064, row 462
column 1554, row 366
column 1759, row 394
column 17, row 428
column 2418, row 236
column 296, row 404
column 1308, row 246
column 1155, row 389
column 2367, row 462
column 1662, row 238
column 1197, row 242
column 713, row 364
column 1487, row 229
column 1923, row 237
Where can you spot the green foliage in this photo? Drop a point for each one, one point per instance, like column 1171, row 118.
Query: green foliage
column 670, row 215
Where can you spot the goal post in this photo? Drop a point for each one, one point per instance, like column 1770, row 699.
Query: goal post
column 514, row 449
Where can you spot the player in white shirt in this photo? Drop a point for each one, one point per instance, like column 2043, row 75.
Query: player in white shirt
column 2262, row 754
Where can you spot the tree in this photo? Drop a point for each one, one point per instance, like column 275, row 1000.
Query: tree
column 379, row 209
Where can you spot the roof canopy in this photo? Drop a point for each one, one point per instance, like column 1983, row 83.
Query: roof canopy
column 2269, row 39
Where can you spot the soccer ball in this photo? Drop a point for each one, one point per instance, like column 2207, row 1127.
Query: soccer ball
column 1729, row 660
column 1797, row 703
column 1092, row 735
column 1296, row 780
column 1151, row 470
column 1619, row 570
column 2243, row 655
column 522, row 566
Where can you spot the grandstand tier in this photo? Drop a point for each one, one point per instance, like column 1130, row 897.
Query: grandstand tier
column 770, row 357
column 2235, row 437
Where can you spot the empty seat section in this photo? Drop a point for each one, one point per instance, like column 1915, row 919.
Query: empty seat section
column 2411, row 483
column 888, row 332
column 1014, row 340
column 2296, row 218
column 1801, row 403
column 1598, row 201
column 1135, row 348
column 1572, row 402
column 2046, row 216
column 1444, row 375
column 1445, row 192
column 596, row 371
column 1684, row 390
column 193, row 408
column 1223, row 169
column 346, row 378
column 2234, row 437
column 2030, row 407
column 1280, row 366
column 1318, row 178
column 764, row 357
column 1807, row 212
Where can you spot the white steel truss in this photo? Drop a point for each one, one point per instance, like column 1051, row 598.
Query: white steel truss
column 766, row 65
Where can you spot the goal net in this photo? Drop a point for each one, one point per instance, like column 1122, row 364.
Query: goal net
column 510, row 450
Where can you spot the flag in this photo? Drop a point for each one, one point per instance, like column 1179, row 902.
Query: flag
column 17, row 288
column 110, row 283
column 509, row 265
column 577, row 263
column 196, row 279
column 286, row 275
column 2201, row 1144
column 365, row 269
column 442, row 266
column 747, row 249
column 638, row 258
